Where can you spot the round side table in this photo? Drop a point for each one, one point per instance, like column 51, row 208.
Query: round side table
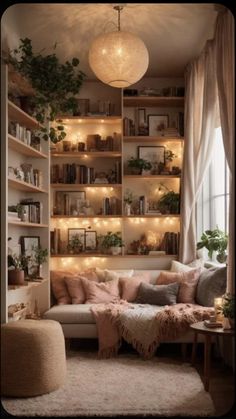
column 209, row 333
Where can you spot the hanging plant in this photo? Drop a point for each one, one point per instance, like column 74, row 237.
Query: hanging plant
column 55, row 85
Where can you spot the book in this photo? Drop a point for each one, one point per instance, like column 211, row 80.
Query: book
column 210, row 324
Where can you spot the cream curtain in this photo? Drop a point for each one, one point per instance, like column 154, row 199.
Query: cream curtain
column 225, row 71
column 200, row 123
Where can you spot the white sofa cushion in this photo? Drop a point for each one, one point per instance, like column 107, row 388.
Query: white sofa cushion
column 70, row 313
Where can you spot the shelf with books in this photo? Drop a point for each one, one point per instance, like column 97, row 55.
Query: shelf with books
column 85, row 185
column 27, row 224
column 92, row 217
column 86, row 154
column 24, row 186
column 22, row 148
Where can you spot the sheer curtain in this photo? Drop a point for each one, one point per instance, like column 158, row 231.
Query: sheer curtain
column 201, row 113
column 225, row 72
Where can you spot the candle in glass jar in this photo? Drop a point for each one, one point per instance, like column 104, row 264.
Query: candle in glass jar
column 218, row 308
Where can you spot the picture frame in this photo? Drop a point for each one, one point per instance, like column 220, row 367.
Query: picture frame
column 154, row 154
column 27, row 244
column 69, row 202
column 90, row 240
column 156, row 124
column 81, row 233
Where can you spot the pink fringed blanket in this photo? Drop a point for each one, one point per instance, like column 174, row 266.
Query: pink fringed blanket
column 143, row 326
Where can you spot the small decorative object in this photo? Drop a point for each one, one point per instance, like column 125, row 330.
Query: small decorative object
column 218, row 308
column 82, row 107
column 228, row 308
column 17, row 311
column 76, row 240
column 112, row 242
column 169, row 157
column 128, row 199
column 90, row 241
column 154, row 154
column 39, row 257
column 157, row 123
column 28, row 246
column 66, row 145
column 81, row 146
column 28, row 172
column 19, row 174
column 137, row 165
column 214, row 241
column 175, row 170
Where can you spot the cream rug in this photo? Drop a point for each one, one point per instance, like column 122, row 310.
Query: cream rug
column 126, row 385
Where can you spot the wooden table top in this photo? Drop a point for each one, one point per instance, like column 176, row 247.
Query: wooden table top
column 201, row 328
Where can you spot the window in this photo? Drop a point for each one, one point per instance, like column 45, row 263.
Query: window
column 213, row 200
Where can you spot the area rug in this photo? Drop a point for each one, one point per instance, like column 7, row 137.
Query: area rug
column 125, row 385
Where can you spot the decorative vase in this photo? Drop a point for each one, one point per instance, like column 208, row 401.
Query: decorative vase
column 115, row 250
column 127, row 209
column 16, row 277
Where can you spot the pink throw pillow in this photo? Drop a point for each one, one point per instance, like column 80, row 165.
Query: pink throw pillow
column 188, row 284
column 75, row 287
column 130, row 285
column 103, row 292
column 59, row 287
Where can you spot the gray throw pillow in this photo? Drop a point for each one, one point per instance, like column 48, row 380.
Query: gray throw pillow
column 211, row 284
column 159, row 295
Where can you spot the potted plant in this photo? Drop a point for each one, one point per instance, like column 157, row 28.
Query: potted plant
column 214, row 241
column 16, row 268
column 112, row 242
column 39, row 257
column 128, row 199
column 75, row 245
column 55, row 85
column 228, row 308
column 169, row 157
column 138, row 165
column 169, row 203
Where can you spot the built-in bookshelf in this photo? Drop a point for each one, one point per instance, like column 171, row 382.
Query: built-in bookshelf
column 100, row 219
column 25, row 195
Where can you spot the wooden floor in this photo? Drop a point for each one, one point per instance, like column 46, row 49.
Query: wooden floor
column 222, row 383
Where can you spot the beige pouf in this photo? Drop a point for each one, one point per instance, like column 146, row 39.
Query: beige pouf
column 33, row 359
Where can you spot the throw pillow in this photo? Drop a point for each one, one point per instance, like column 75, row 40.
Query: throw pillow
column 129, row 286
column 59, row 287
column 188, row 284
column 107, row 275
column 100, row 292
column 211, row 284
column 90, row 274
column 159, row 295
column 181, row 267
column 75, row 289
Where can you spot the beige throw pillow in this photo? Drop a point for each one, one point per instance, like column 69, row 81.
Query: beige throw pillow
column 188, row 283
column 102, row 292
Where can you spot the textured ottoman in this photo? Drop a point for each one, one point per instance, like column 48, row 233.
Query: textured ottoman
column 33, row 360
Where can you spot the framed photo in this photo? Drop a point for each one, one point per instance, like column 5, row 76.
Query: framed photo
column 156, row 123
column 80, row 233
column 90, row 240
column 69, row 202
column 28, row 244
column 154, row 154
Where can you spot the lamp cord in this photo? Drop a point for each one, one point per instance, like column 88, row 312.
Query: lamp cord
column 118, row 8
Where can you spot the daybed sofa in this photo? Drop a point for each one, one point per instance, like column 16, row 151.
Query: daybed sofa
column 77, row 320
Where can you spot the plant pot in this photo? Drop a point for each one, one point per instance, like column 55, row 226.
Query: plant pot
column 16, row 277
column 135, row 171
column 115, row 250
column 127, row 209
column 221, row 257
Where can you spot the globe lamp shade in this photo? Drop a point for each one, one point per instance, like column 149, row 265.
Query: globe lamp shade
column 119, row 58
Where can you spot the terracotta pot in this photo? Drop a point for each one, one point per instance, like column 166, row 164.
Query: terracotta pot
column 16, row 277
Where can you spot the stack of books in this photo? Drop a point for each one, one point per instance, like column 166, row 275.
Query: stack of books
column 212, row 324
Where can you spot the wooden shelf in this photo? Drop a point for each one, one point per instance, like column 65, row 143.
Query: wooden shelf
column 89, row 119
column 86, row 154
column 26, row 224
column 16, row 114
column 149, row 101
column 86, row 216
column 151, row 216
column 22, row 148
column 27, row 284
column 146, row 138
column 152, row 176
column 85, row 185
column 24, row 186
column 82, row 255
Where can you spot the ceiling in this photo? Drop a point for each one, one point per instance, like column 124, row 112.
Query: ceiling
column 173, row 33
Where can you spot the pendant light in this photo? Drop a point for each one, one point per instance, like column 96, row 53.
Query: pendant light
column 118, row 58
